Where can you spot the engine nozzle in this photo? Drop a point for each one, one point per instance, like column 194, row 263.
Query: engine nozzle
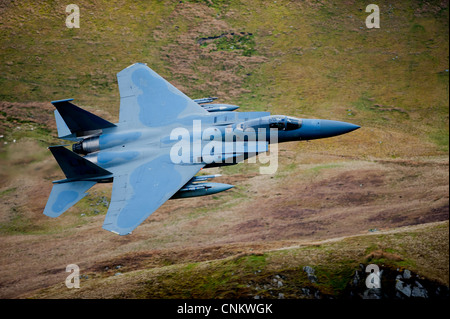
column 86, row 146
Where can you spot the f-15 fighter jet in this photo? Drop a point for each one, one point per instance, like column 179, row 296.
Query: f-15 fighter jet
column 162, row 140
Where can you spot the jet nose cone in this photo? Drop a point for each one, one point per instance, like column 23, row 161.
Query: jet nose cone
column 225, row 187
column 333, row 128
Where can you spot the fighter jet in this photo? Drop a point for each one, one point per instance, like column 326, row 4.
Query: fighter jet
column 162, row 140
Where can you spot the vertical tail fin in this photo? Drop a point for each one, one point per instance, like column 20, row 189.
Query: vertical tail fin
column 63, row 130
column 76, row 120
column 75, row 166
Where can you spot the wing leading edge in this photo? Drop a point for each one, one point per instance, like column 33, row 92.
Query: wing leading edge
column 135, row 196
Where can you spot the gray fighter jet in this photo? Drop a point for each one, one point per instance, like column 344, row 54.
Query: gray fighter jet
column 162, row 140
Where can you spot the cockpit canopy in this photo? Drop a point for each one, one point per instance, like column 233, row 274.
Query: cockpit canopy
column 285, row 123
column 280, row 122
column 292, row 123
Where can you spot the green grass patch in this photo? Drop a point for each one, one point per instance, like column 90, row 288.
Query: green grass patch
column 244, row 43
column 7, row 191
column 93, row 204
column 441, row 138
column 253, row 262
column 333, row 281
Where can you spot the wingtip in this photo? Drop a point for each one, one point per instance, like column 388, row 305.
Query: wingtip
column 61, row 101
column 115, row 230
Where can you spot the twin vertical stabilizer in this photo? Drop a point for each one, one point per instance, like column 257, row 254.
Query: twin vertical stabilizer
column 73, row 122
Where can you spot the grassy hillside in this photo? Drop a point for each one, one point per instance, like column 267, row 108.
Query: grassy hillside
column 311, row 59
column 266, row 272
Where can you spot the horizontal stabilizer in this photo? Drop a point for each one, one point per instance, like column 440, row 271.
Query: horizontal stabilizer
column 74, row 166
column 64, row 196
column 78, row 120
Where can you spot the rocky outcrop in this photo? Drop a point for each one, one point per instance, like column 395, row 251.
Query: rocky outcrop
column 311, row 274
column 385, row 283
column 394, row 284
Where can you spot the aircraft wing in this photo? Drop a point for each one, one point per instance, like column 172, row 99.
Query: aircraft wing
column 136, row 195
column 149, row 100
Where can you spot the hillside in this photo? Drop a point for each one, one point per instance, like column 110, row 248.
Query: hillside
column 319, row 270
column 311, row 59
